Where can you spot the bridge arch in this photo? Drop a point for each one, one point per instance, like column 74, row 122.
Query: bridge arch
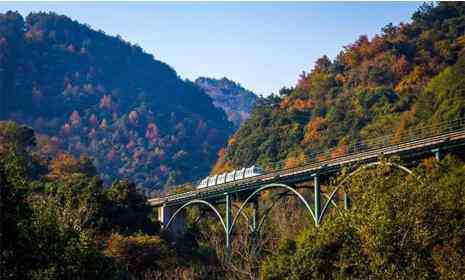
column 363, row 167
column 265, row 215
column 198, row 201
column 243, row 214
column 266, row 187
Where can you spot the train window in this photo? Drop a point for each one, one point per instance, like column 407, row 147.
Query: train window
column 203, row 183
column 230, row 176
column 239, row 174
column 212, row 180
column 221, row 178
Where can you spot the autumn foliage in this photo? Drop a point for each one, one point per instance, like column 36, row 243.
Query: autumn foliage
column 389, row 85
column 108, row 99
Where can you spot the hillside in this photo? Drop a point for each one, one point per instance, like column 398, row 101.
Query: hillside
column 236, row 101
column 407, row 75
column 92, row 94
column 108, row 99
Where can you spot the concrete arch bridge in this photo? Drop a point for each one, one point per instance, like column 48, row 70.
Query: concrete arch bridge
column 410, row 147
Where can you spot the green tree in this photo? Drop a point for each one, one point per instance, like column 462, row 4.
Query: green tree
column 61, row 249
column 14, row 215
column 127, row 211
column 399, row 227
column 139, row 253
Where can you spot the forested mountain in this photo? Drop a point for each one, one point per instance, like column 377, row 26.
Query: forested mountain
column 235, row 100
column 408, row 75
column 92, row 94
column 59, row 220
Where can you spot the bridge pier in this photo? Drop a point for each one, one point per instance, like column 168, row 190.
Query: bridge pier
column 178, row 225
column 346, row 201
column 317, row 194
column 438, row 153
column 254, row 227
column 228, row 223
column 255, row 215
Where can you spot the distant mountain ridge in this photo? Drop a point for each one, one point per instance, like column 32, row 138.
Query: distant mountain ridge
column 93, row 94
column 230, row 96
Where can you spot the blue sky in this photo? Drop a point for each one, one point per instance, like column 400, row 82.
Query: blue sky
column 263, row 46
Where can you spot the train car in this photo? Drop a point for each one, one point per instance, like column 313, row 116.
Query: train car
column 212, row 180
column 234, row 175
column 203, row 183
column 230, row 176
column 239, row 174
column 221, row 179
column 253, row 171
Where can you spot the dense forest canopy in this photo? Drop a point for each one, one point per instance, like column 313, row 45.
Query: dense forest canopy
column 409, row 74
column 60, row 221
column 92, row 94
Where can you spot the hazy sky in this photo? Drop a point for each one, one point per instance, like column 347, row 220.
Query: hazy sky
column 263, row 46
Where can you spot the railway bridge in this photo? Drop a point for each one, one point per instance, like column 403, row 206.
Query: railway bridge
column 411, row 147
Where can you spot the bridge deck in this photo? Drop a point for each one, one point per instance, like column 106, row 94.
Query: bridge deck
column 407, row 149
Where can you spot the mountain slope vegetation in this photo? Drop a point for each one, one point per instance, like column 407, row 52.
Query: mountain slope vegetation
column 88, row 93
column 410, row 74
column 236, row 101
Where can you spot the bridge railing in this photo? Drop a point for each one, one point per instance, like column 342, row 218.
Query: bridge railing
column 363, row 145
column 359, row 146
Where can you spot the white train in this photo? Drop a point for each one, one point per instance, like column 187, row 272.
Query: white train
column 230, row 176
